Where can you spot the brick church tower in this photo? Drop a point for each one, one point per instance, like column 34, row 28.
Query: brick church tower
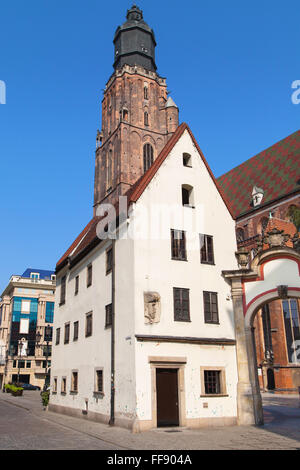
column 138, row 117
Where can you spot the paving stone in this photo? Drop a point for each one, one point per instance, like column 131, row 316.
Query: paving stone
column 25, row 425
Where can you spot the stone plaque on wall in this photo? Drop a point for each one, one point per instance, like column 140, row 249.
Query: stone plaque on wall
column 151, row 307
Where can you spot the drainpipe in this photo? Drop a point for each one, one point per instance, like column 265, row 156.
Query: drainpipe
column 112, row 393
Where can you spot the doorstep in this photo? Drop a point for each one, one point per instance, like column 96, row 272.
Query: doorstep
column 171, row 429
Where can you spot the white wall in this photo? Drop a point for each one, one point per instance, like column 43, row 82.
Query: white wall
column 154, row 270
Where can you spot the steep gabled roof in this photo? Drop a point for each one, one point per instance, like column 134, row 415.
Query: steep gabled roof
column 275, row 170
column 88, row 238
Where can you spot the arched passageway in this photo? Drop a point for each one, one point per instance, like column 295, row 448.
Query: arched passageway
column 273, row 274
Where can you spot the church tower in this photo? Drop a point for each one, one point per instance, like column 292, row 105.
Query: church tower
column 138, row 117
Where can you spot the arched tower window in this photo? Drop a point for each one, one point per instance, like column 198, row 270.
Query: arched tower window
column 263, row 224
column 240, row 235
column 146, row 96
column 293, row 215
column 109, row 170
column 148, row 156
column 146, row 118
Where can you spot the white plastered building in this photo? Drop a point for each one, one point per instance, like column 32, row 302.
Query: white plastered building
column 144, row 327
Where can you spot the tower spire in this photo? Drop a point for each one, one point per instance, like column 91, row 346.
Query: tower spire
column 135, row 42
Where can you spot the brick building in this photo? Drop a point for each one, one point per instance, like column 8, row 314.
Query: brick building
column 263, row 193
column 138, row 117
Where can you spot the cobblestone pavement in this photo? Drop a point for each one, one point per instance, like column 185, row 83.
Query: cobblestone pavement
column 25, row 425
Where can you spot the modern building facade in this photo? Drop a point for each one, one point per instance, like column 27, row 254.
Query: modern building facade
column 26, row 320
column 264, row 193
column 144, row 329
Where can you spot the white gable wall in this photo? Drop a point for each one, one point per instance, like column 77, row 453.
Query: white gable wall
column 155, row 271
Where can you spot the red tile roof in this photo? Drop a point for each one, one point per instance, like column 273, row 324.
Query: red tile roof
column 88, row 237
column 275, row 170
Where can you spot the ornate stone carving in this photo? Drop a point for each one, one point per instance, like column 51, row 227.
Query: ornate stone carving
column 296, row 242
column 276, row 238
column 242, row 256
column 151, row 307
column 282, row 292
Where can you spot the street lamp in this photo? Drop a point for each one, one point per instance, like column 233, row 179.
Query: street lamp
column 47, row 340
column 21, row 354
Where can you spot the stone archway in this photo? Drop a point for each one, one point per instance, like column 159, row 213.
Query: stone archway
column 273, row 274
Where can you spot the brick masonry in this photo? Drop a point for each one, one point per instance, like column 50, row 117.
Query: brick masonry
column 119, row 158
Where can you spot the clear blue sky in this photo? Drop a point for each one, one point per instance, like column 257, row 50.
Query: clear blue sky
column 229, row 67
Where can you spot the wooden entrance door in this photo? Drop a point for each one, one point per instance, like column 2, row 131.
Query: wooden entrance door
column 167, row 397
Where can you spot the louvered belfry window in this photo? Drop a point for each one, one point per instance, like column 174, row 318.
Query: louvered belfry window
column 148, row 156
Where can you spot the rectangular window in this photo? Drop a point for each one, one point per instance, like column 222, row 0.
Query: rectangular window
column 99, row 381
column 206, row 249
column 67, row 333
column 63, row 385
column 89, row 277
column 76, row 285
column 89, row 324
column 24, row 326
column 63, row 290
column 109, row 260
column 212, row 382
column 178, row 245
column 55, row 385
column 49, row 312
column 292, row 329
column 25, row 306
column 57, row 335
column 108, row 315
column 74, row 382
column 210, row 300
column 28, row 364
column 181, row 304
column 21, row 364
column 76, row 329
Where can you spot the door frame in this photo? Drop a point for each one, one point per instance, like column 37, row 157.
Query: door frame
column 168, row 363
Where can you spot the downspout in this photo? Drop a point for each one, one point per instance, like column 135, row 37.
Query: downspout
column 112, row 393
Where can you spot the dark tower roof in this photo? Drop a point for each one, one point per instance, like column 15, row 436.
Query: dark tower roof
column 135, row 42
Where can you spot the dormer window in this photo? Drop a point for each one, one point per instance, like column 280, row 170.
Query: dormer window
column 257, row 196
column 187, row 160
column 35, row 276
